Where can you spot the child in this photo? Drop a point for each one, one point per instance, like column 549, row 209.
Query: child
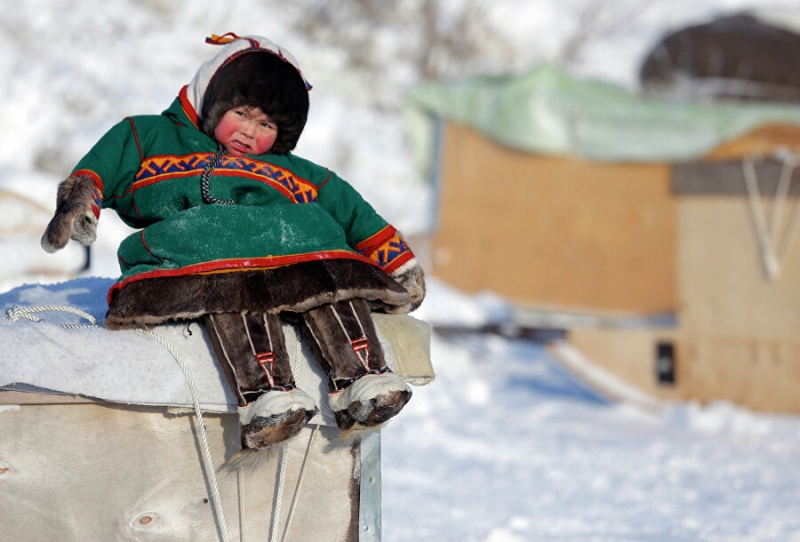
column 237, row 231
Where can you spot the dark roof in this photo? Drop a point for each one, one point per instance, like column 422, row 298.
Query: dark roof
column 733, row 57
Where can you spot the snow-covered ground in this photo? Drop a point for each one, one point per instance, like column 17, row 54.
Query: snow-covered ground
column 503, row 446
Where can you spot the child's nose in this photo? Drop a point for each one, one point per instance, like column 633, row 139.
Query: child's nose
column 249, row 128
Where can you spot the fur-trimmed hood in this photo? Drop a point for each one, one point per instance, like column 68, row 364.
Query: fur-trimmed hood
column 231, row 46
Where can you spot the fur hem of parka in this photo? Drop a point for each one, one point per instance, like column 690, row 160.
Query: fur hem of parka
column 292, row 288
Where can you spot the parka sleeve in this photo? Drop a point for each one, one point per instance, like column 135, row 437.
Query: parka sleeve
column 366, row 231
column 112, row 163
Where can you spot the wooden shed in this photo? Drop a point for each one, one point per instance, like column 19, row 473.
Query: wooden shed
column 737, row 283
column 639, row 217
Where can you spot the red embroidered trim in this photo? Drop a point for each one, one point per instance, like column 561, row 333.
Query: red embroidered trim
column 399, row 261
column 98, row 182
column 328, row 178
column 266, row 358
column 136, row 138
column 160, row 168
column 187, row 107
column 387, row 249
column 97, row 191
column 375, row 240
column 361, row 345
column 147, row 247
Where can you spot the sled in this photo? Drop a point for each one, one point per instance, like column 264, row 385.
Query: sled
column 130, row 435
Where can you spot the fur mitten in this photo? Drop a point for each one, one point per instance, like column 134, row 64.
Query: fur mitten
column 411, row 277
column 75, row 217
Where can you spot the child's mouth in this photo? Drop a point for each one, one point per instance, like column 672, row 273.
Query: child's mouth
column 240, row 147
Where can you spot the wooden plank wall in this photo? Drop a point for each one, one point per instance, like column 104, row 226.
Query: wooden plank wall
column 739, row 328
column 554, row 231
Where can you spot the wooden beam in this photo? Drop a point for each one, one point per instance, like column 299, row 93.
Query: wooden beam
column 727, row 178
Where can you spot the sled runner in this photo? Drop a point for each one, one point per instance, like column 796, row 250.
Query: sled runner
column 130, row 435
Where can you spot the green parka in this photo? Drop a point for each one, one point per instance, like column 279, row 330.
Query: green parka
column 287, row 212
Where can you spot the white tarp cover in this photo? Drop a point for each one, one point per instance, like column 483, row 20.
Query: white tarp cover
column 549, row 111
column 92, row 472
column 127, row 367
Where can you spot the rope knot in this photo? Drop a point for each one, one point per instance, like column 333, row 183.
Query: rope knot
column 15, row 313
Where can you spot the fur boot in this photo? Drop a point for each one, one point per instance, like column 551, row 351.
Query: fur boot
column 274, row 417
column 363, row 391
column 251, row 349
column 370, row 401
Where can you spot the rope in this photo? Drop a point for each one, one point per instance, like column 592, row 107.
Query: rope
column 283, row 462
column 299, row 485
column 201, row 424
column 298, row 352
column 782, row 191
column 772, row 266
column 242, row 507
column 15, row 313
column 772, row 256
column 205, row 179
column 276, row 506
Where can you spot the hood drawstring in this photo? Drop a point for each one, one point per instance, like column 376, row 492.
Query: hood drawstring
column 205, row 179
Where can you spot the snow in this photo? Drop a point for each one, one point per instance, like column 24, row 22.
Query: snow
column 504, row 445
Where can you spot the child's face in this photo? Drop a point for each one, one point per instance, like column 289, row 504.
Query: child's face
column 246, row 130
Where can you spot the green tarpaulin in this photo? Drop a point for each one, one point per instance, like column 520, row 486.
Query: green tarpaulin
column 550, row 111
